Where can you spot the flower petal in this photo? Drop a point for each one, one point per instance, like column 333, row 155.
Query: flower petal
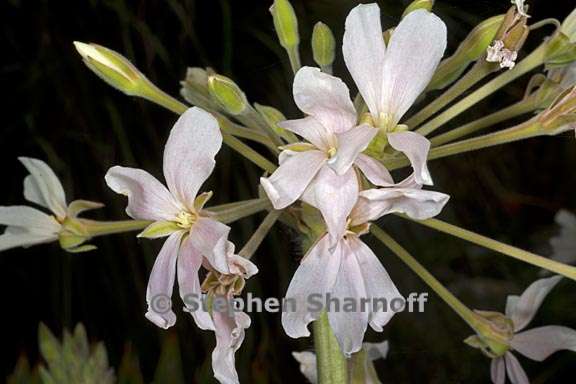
column 188, row 265
column 377, row 351
column 292, row 177
column 564, row 244
column 311, row 129
column 530, row 301
column 350, row 144
column 416, row 203
column 349, row 326
column 315, row 276
column 516, row 373
column 374, row 171
column 335, row 196
column 539, row 343
column 498, row 371
column 43, row 187
column 364, row 51
column 189, row 154
column 229, row 330
column 326, row 98
column 148, row 199
column 378, row 283
column 242, row 266
column 308, row 365
column 21, row 238
column 161, row 283
column 415, row 147
column 414, row 51
column 31, row 219
column 210, row 238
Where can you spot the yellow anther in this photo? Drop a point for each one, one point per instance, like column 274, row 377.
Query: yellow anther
column 185, row 219
column 331, row 152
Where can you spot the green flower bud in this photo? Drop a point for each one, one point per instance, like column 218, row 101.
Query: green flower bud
column 272, row 117
column 471, row 49
column 286, row 23
column 113, row 68
column 418, row 4
column 227, row 94
column 569, row 26
column 323, row 45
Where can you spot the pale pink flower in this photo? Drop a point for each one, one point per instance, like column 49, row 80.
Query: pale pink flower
column 27, row 226
column 536, row 344
column 345, row 267
column 194, row 238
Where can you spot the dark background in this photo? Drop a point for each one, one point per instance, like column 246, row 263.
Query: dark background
column 55, row 109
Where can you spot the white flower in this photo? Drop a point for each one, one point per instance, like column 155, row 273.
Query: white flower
column 27, row 226
column 373, row 351
column 194, row 238
column 536, row 344
column 390, row 78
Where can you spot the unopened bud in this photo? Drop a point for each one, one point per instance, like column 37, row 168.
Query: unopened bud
column 272, row 116
column 286, row 23
column 470, row 50
column 227, row 94
column 323, row 45
column 418, row 4
column 113, row 68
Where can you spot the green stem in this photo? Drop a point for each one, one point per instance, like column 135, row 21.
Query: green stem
column 505, row 249
column 256, row 239
column 516, row 133
column 520, row 108
column 535, row 59
column 238, row 131
column 477, row 73
column 471, row 318
column 240, row 211
column 249, row 153
column 156, row 95
column 254, row 119
column 101, row 228
column 294, row 56
column 331, row 364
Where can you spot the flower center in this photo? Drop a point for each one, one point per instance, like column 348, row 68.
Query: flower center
column 186, row 220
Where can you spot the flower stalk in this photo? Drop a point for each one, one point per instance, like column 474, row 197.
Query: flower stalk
column 257, row 237
column 505, row 249
column 332, row 365
column 478, row 323
column 241, row 210
column 535, row 59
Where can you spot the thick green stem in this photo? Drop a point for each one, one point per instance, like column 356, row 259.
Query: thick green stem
column 477, row 73
column 471, row 318
column 101, row 228
column 510, row 112
column 239, row 211
column 519, row 132
column 535, row 59
column 331, row 363
column 505, row 249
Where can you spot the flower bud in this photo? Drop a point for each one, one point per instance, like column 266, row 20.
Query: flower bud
column 113, row 68
column 569, row 26
column 286, row 23
column 323, row 45
column 227, row 94
column 470, row 50
column 272, row 116
column 418, row 4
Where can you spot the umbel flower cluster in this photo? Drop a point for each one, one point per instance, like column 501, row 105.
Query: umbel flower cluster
column 331, row 181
